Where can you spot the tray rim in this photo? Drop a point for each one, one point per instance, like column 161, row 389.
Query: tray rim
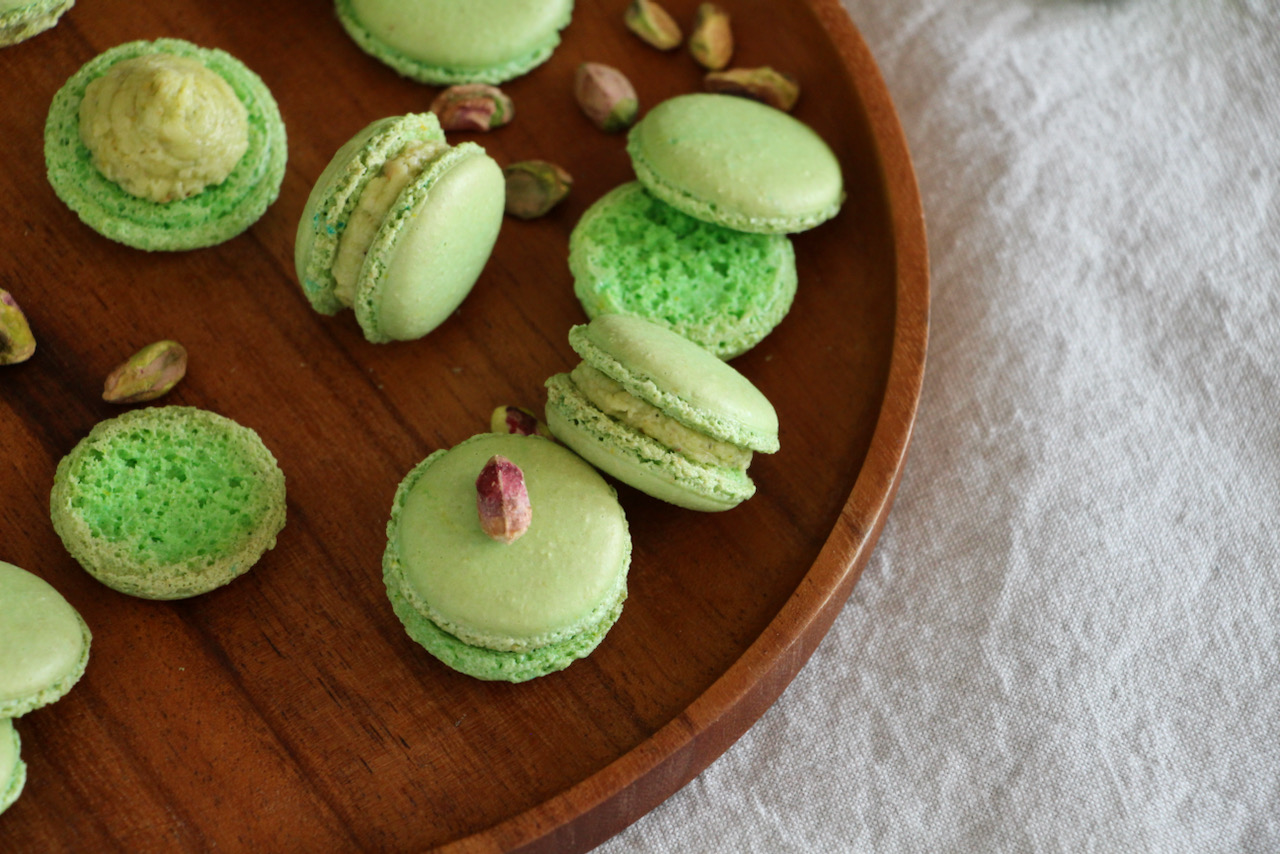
column 596, row 808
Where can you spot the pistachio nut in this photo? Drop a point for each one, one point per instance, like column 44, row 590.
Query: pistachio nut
column 653, row 24
column 606, row 96
column 473, row 107
column 147, row 374
column 16, row 341
column 518, row 421
column 711, row 41
column 534, row 187
column 759, row 84
column 502, row 500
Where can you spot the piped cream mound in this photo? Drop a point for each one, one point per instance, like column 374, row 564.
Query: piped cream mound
column 163, row 127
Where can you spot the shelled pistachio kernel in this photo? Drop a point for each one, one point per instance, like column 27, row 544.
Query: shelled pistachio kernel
column 17, row 344
column 606, row 96
column 653, row 24
column 534, row 187
column 711, row 42
column 148, row 374
column 759, row 84
column 473, row 107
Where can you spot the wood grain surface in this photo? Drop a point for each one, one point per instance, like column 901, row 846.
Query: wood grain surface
column 289, row 711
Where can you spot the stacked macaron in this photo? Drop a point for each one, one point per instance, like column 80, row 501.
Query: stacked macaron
column 398, row 227
column 44, row 649
column 700, row 243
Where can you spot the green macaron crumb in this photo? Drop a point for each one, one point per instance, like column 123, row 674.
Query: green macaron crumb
column 723, row 289
column 168, row 502
column 209, row 217
column 13, row 771
column 22, row 19
column 44, row 642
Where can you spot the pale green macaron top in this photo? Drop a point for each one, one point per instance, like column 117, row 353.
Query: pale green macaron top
column 737, row 163
column 499, row 610
column 22, row 19
column 44, row 644
column 444, row 42
column 13, row 771
column 431, row 244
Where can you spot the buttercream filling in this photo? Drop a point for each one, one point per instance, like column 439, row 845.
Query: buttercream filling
column 163, row 127
column 375, row 202
column 615, row 401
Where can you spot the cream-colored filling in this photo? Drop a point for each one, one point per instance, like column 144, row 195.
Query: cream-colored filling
column 616, row 402
column 371, row 209
column 163, row 127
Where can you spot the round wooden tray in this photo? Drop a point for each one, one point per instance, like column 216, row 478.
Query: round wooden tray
column 289, row 710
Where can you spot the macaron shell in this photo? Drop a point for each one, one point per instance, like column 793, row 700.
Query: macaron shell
column 212, row 216
column 725, row 290
column 736, row 162
column 457, row 41
column 636, row 459
column 432, row 247
column 336, row 193
column 13, row 771
column 680, row 378
column 22, row 19
column 560, row 578
column 44, row 643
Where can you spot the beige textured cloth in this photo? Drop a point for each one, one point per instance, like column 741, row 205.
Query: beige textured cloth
column 1068, row 638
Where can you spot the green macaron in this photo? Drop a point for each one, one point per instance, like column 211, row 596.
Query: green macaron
column 444, row 42
column 206, row 217
column 168, row 502
column 22, row 19
column 44, row 644
column 737, row 163
column 660, row 413
column 725, row 290
column 398, row 227
column 13, row 771
column 500, row 610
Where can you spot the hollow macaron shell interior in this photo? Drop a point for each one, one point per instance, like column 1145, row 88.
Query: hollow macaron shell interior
column 737, row 163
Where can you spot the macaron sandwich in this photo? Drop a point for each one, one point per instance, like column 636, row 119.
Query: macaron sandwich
column 168, row 502
column 398, row 227
column 444, row 42
column 506, row 557
column 700, row 243
column 660, row 413
column 163, row 145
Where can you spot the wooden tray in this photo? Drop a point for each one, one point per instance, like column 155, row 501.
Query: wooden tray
column 289, row 710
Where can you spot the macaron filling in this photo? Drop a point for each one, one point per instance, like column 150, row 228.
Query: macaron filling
column 163, row 127
column 371, row 210
column 615, row 401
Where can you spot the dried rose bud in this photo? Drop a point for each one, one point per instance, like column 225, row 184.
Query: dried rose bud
column 16, row 341
column 518, row 421
column 606, row 96
column 653, row 24
column 147, row 374
column 711, row 41
column 759, row 84
column 534, row 187
column 502, row 500
column 473, row 107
